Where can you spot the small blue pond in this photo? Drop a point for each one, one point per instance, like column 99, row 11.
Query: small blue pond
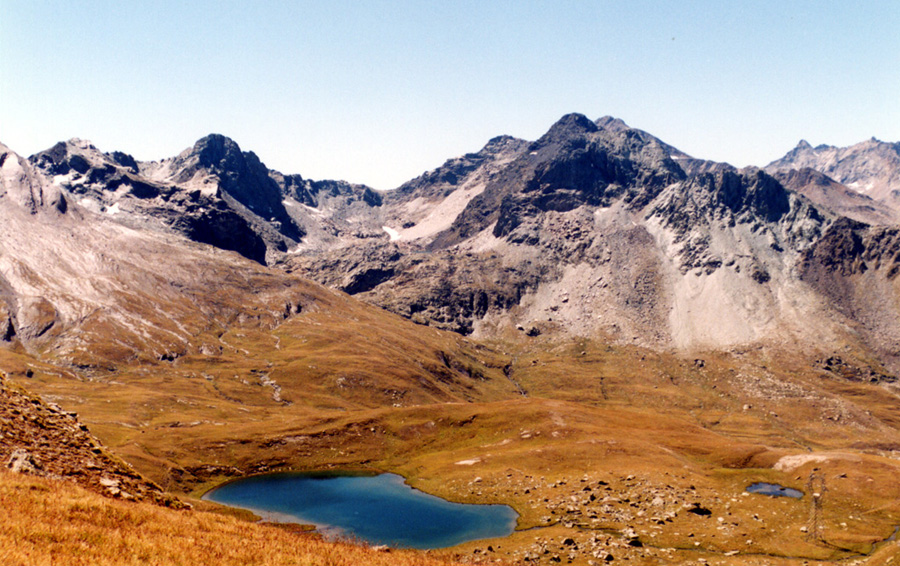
column 774, row 490
column 375, row 509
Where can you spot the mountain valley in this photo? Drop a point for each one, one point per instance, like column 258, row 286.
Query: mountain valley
column 606, row 333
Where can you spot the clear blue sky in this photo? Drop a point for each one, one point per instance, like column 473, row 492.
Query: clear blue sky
column 378, row 92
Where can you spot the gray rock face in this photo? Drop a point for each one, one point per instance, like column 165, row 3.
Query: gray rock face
column 35, row 318
column 575, row 163
column 212, row 193
column 112, row 183
column 7, row 328
column 241, row 176
column 856, row 267
column 19, row 184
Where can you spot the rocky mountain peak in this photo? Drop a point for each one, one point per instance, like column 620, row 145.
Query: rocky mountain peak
column 568, row 126
column 240, row 176
column 72, row 156
column 612, row 123
column 218, row 152
column 871, row 167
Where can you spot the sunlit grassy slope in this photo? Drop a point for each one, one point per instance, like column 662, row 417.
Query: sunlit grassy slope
column 650, row 435
column 52, row 522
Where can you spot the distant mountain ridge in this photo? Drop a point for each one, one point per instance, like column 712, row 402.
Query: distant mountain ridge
column 871, row 167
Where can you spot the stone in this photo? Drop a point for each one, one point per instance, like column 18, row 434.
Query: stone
column 22, row 462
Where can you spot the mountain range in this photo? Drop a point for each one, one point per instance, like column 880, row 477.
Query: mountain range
column 210, row 317
column 594, row 227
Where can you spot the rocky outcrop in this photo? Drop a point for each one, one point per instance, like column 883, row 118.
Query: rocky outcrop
column 7, row 328
column 114, row 184
column 35, row 317
column 211, row 221
column 215, row 194
column 728, row 199
column 734, row 197
column 20, row 184
column 41, row 439
column 316, row 193
column 448, row 289
column 851, row 248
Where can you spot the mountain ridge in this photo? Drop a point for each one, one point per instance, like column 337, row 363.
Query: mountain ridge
column 536, row 219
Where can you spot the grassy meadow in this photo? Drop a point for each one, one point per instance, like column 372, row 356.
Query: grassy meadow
column 609, row 452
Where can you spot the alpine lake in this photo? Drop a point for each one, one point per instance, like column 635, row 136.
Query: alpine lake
column 374, row 509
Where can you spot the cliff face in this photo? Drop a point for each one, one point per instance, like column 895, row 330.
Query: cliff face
column 857, row 267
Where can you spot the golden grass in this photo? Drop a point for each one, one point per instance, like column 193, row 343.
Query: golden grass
column 371, row 391
column 47, row 522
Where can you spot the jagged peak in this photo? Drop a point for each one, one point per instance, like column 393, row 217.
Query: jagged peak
column 217, row 150
column 571, row 124
column 499, row 143
column 803, row 144
column 612, row 123
column 575, row 119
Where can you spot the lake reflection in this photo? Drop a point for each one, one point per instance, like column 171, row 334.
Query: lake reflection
column 378, row 509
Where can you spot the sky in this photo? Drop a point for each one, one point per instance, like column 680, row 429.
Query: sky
column 380, row 92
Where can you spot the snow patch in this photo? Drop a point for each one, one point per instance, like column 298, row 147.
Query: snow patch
column 441, row 216
column 114, row 209
column 395, row 235
column 860, row 187
column 791, row 463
